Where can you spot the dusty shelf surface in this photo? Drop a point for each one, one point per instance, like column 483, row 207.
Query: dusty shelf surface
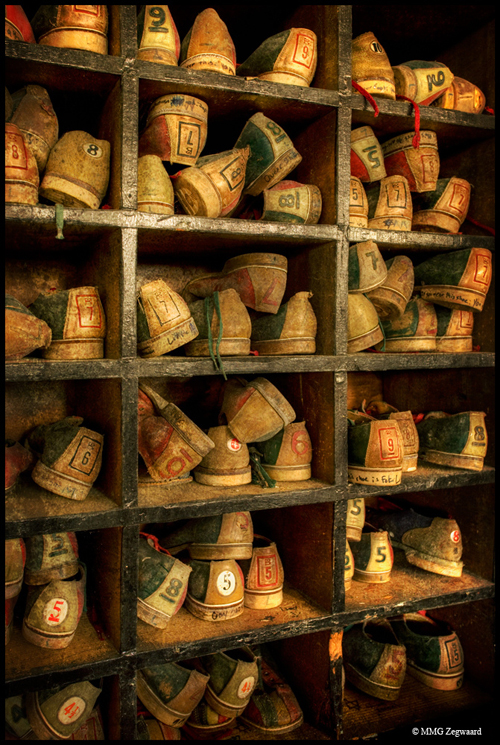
column 365, row 715
column 23, row 659
column 410, row 585
column 186, row 631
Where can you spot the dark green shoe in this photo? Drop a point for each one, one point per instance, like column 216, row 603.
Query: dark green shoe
column 24, row 331
column 287, row 57
column 227, row 536
column 70, row 457
column 171, row 691
column 460, row 279
column 374, row 659
column 455, row 440
column 233, row 677
column 50, row 556
column 414, row 331
column 454, row 330
column 444, row 209
column 434, row 654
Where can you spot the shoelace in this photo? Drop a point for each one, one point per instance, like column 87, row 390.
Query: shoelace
column 208, row 315
column 59, row 221
column 371, row 100
column 259, row 473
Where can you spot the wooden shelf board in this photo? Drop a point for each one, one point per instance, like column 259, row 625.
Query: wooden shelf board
column 427, row 476
column 411, row 587
column 24, row 660
column 167, row 502
column 29, row 510
column 365, row 715
column 188, row 636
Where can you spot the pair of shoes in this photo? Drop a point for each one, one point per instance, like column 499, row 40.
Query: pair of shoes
column 378, row 652
column 216, row 583
column 56, row 595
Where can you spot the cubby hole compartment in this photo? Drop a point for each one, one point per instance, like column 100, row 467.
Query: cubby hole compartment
column 464, row 152
column 250, row 25
column 177, row 258
column 105, row 713
column 483, row 336
column 302, row 663
column 200, row 398
column 97, row 637
column 300, row 534
column 311, row 127
column 421, row 705
column 83, row 99
column 464, row 41
column 87, row 59
column 409, row 585
column 29, row 404
column 425, row 390
column 37, row 262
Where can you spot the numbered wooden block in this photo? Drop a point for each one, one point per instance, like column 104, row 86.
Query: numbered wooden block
column 390, row 206
column 290, row 201
column 157, row 35
column 358, row 204
column 77, row 171
column 21, row 171
column 371, row 67
column 176, row 129
column 72, row 27
column 367, row 157
column 419, row 165
column 155, row 193
column 208, row 45
column 34, row 115
column 462, row 96
column 17, row 26
column 77, row 321
column 422, row 81
column 288, row 57
column 272, row 154
column 444, row 209
column 214, row 186
column 392, row 296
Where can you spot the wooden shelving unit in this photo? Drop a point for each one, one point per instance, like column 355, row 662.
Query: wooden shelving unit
column 118, row 249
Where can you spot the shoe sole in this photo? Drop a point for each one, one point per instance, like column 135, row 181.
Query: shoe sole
column 235, row 477
column 434, row 680
column 378, row 690
column 228, row 348
column 41, row 639
column 157, row 708
column 260, row 600
column 285, row 346
column 371, row 577
column 430, row 563
column 455, row 460
column 214, row 613
column 288, row 473
column 374, row 476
